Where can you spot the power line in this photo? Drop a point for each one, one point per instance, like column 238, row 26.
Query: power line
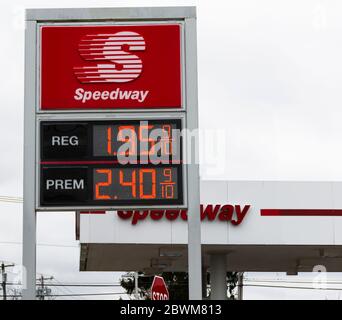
column 11, row 199
column 76, row 294
column 293, row 281
column 249, row 282
column 60, row 284
column 61, row 289
column 89, row 294
column 118, row 293
column 245, row 285
column 95, row 285
column 290, row 287
column 84, row 285
column 42, row 244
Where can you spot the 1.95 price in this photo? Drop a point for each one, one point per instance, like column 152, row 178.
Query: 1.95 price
column 143, row 139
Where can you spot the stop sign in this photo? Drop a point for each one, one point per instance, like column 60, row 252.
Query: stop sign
column 159, row 290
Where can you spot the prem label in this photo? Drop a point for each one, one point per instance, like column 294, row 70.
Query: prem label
column 66, row 185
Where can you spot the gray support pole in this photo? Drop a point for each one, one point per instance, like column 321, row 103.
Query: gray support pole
column 204, row 282
column 194, row 221
column 29, row 214
column 136, row 287
column 240, row 286
column 218, row 277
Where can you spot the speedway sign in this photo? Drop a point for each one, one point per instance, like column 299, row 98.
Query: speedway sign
column 111, row 109
column 111, row 66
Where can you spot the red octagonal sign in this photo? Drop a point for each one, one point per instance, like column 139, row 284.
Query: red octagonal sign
column 159, row 290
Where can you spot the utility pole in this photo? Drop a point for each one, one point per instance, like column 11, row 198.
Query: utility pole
column 204, row 281
column 4, row 279
column 41, row 297
column 42, row 290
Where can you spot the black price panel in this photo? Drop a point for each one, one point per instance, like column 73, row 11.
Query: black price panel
column 111, row 163
column 136, row 183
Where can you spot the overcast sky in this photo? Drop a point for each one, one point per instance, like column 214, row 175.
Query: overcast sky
column 269, row 75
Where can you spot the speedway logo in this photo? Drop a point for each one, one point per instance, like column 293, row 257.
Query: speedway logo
column 234, row 214
column 113, row 57
column 110, row 66
column 117, row 94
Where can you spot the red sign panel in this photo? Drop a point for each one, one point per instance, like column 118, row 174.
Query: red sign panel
column 110, row 67
column 159, row 290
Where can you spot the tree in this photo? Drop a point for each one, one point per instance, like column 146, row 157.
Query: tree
column 144, row 284
column 232, row 281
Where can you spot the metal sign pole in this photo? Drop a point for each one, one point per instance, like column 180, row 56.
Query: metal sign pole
column 29, row 213
column 194, row 221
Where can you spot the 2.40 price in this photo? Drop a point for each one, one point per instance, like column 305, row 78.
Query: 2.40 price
column 135, row 183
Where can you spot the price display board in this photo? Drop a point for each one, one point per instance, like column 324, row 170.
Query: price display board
column 111, row 163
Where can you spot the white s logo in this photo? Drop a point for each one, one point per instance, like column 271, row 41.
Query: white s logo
column 116, row 49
